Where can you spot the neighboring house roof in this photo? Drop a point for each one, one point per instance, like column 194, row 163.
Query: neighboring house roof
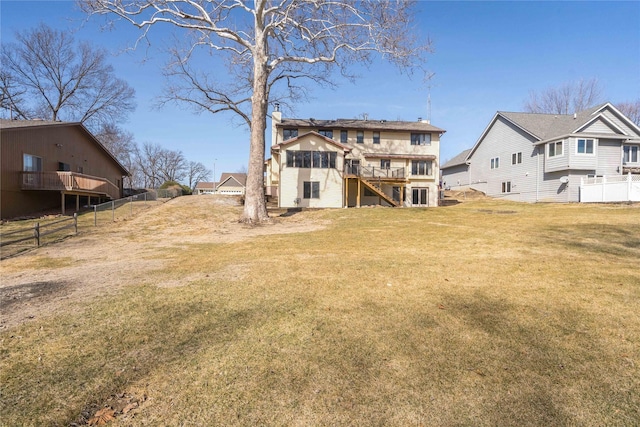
column 546, row 127
column 22, row 124
column 240, row 178
column 206, row 185
column 458, row 160
column 419, row 126
column 296, row 138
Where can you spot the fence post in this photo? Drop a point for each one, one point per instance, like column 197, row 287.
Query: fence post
column 75, row 222
column 131, row 201
column 36, row 233
column 113, row 211
column 95, row 215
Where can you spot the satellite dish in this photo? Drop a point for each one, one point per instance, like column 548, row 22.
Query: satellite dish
column 564, row 179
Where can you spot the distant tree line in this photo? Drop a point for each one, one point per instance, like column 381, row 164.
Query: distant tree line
column 576, row 96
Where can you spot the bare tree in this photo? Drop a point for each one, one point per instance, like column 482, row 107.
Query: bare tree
column 122, row 145
column 172, row 165
column 631, row 110
column 269, row 46
column 197, row 173
column 46, row 74
column 147, row 158
column 568, row 98
column 159, row 165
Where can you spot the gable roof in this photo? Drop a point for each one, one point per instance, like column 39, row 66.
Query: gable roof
column 396, row 125
column 240, row 178
column 458, row 160
column 546, row 127
column 313, row 133
column 23, row 124
column 205, row 185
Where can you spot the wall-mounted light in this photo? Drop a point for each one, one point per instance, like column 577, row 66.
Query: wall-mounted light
column 59, row 145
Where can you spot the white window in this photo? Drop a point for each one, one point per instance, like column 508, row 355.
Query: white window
column 420, row 196
column 327, row 133
column 630, row 154
column 311, row 190
column 555, row 149
column 289, row 133
column 420, row 139
column 585, row 146
column 506, row 187
column 495, row 163
column 420, row 167
column 516, row 158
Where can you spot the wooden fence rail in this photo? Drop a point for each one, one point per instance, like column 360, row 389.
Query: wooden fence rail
column 36, row 232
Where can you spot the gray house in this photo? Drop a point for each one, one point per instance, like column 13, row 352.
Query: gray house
column 544, row 157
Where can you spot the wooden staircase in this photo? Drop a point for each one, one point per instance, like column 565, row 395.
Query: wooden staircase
column 373, row 187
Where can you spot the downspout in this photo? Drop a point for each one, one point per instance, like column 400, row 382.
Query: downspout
column 538, row 173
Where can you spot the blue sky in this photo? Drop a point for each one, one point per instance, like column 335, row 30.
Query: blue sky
column 488, row 56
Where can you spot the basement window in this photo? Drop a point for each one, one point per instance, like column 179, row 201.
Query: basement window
column 311, row 190
column 506, row 187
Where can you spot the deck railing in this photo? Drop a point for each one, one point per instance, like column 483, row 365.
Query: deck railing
column 374, row 172
column 69, row 181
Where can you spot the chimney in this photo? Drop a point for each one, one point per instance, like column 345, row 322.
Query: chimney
column 575, row 116
column 276, row 117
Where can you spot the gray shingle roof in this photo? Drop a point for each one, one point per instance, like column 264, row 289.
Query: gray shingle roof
column 240, row 177
column 546, row 126
column 460, row 159
column 360, row 124
column 12, row 124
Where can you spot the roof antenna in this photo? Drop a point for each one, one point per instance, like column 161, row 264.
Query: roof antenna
column 429, row 77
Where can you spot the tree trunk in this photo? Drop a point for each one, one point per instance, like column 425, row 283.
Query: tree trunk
column 255, row 208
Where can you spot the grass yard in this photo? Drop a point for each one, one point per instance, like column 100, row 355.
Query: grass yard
column 487, row 313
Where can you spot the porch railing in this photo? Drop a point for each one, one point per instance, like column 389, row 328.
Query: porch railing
column 375, row 172
column 68, row 181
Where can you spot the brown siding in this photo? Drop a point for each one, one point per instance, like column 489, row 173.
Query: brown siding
column 54, row 143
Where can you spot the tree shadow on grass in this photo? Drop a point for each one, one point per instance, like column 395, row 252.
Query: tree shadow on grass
column 597, row 238
column 532, row 358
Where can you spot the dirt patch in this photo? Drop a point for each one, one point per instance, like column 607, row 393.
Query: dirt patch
column 19, row 294
column 99, row 261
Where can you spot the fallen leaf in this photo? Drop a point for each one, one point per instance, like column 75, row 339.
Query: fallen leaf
column 102, row 417
column 129, row 407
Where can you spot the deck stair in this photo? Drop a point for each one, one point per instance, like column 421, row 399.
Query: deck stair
column 377, row 190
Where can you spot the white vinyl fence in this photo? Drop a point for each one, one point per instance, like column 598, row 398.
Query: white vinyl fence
column 616, row 188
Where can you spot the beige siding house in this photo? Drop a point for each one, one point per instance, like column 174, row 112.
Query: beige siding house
column 232, row 184
column 353, row 163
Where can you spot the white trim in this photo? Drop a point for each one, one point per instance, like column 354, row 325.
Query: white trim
column 593, row 147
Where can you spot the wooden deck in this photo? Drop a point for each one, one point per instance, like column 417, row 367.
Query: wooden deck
column 69, row 182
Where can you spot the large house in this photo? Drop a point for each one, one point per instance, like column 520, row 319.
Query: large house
column 47, row 165
column 353, row 163
column 545, row 157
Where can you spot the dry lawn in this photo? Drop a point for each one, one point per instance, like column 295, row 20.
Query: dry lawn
column 485, row 313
